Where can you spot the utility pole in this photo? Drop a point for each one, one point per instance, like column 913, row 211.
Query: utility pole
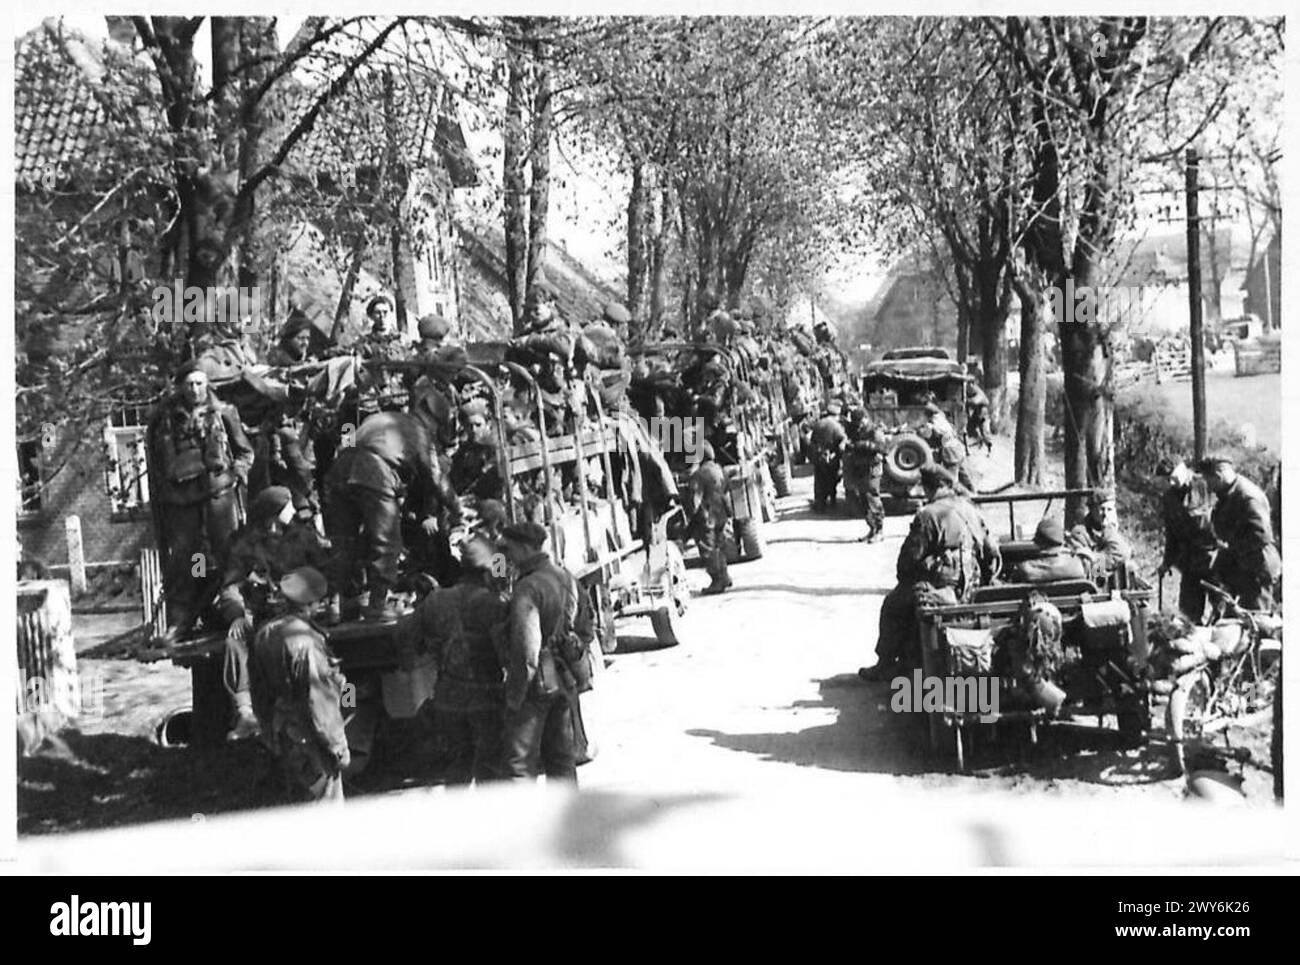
column 1194, row 304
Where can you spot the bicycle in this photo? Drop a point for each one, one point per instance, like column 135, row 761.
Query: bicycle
column 1237, row 687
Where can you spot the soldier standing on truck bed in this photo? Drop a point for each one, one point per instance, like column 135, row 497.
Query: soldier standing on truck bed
column 199, row 460
column 937, row 561
column 364, row 494
column 297, row 692
column 1190, row 544
column 270, row 545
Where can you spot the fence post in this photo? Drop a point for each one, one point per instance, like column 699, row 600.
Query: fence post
column 49, row 694
column 76, row 555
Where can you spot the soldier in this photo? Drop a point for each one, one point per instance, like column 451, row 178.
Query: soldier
column 827, row 444
column 298, row 691
column 542, row 727
column 1099, row 540
column 435, row 332
column 199, row 459
column 938, row 556
column 709, row 524
column 977, row 415
column 864, row 466
column 364, row 493
column 1190, row 544
column 293, row 347
column 948, row 449
column 1052, row 561
column 987, row 550
column 463, row 629
column 475, row 471
column 1248, row 565
column 269, row 546
column 383, row 391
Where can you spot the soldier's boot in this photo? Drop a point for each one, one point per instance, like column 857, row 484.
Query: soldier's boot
column 246, row 725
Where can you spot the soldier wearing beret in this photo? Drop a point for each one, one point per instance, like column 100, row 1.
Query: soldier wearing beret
column 199, row 460
column 270, row 545
column 382, row 391
column 297, row 692
column 1099, row 540
column 547, row 608
column 1248, row 564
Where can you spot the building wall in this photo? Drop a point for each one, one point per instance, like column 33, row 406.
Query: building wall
column 79, row 488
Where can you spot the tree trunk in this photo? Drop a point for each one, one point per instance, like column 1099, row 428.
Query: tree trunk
column 1031, row 456
column 515, row 156
column 659, row 264
column 355, row 260
column 539, row 192
column 638, row 255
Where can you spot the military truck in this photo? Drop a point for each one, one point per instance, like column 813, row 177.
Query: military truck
column 895, row 390
column 628, row 568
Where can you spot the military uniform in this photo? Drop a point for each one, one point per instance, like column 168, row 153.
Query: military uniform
column 1248, row 566
column 462, row 628
column 542, row 730
column 828, row 441
column 387, row 392
column 199, row 457
column 297, row 693
column 364, row 494
column 864, row 467
column 939, row 551
column 476, row 472
column 987, row 550
column 1106, row 550
column 709, row 525
column 1190, row 544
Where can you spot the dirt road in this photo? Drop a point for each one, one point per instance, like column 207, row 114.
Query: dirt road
column 764, row 690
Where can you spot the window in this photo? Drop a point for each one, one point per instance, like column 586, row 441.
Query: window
column 126, row 473
column 30, row 487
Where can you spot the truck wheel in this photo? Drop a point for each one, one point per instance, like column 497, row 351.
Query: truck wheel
column 781, row 479
column 905, row 457
column 749, row 535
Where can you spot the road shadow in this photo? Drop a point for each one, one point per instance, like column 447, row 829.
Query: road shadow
column 867, row 736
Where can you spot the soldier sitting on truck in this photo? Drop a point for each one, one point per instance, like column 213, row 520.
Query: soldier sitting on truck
column 475, row 471
column 937, row 562
column 270, row 545
column 1098, row 540
column 1052, row 561
column 297, row 693
column 199, row 460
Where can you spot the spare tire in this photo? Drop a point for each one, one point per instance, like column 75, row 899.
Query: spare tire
column 906, row 455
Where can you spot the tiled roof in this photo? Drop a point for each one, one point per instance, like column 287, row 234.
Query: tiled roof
column 353, row 131
column 57, row 116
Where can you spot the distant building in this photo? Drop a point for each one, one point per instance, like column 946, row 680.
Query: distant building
column 912, row 307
